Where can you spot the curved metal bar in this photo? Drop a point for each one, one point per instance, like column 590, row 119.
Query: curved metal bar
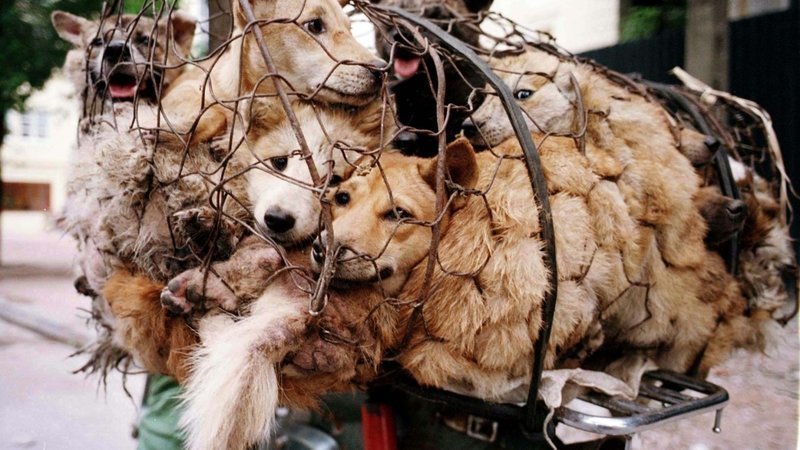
column 721, row 164
column 538, row 185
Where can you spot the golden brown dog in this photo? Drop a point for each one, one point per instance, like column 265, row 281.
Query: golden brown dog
column 472, row 331
column 314, row 53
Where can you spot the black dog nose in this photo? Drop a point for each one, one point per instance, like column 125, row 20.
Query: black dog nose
column 469, row 128
column 278, row 221
column 736, row 208
column 116, row 51
column 317, row 252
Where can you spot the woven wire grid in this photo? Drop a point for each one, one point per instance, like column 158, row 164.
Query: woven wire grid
column 216, row 166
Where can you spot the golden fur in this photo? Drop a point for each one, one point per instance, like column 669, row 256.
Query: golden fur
column 330, row 67
column 634, row 135
column 474, row 331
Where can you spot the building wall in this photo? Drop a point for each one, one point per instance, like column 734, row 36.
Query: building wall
column 40, row 141
column 577, row 25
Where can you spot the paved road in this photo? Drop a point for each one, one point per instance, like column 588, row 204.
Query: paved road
column 43, row 405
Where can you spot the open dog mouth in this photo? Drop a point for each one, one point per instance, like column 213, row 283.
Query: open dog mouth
column 121, row 82
column 122, row 86
column 406, row 64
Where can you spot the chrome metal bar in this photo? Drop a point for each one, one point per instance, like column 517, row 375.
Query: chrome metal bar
column 633, row 419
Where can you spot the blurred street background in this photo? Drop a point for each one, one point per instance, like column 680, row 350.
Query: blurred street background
column 750, row 47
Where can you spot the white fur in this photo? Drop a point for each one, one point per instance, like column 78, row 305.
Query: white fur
column 232, row 391
column 328, row 135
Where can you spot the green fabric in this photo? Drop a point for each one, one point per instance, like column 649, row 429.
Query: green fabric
column 158, row 422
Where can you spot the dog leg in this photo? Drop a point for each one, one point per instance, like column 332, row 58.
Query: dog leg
column 233, row 388
column 240, row 279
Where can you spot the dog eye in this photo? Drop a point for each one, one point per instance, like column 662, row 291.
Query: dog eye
column 279, row 163
column 522, row 94
column 315, row 26
column 397, row 214
column 143, row 40
column 341, row 198
column 96, row 42
column 335, row 180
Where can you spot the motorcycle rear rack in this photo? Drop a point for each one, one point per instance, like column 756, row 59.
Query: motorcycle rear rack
column 664, row 397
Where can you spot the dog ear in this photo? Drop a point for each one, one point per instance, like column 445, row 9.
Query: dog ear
column 183, row 25
column 69, row 26
column 261, row 9
column 461, row 166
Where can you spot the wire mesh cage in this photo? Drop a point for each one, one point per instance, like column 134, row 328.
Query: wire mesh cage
column 354, row 218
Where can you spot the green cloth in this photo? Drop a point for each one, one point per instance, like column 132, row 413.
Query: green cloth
column 161, row 410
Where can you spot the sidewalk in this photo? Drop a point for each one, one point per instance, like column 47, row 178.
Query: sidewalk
column 43, row 405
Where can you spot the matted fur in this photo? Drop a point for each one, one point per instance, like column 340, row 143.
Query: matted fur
column 476, row 330
column 624, row 125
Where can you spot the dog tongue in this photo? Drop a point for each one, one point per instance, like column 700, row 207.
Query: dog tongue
column 406, row 68
column 123, row 90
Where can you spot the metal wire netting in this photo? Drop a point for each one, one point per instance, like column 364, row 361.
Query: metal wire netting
column 166, row 185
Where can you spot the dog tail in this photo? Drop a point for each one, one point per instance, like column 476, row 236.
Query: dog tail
column 232, row 390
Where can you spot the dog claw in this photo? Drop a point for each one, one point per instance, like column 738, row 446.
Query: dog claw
column 174, row 303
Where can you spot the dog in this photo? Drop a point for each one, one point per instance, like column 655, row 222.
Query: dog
column 126, row 56
column 768, row 262
column 475, row 330
column 285, row 206
column 415, row 76
column 311, row 44
column 624, row 122
column 152, row 238
column 243, row 281
column 118, row 64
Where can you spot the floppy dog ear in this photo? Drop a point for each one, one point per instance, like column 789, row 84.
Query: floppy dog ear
column 461, row 166
column 69, row 26
column 183, row 25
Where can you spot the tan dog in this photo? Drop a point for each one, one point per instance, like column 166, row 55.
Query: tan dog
column 475, row 330
column 125, row 56
column 314, row 53
column 624, row 124
column 477, row 327
column 335, row 138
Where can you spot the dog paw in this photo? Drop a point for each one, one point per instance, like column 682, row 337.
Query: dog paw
column 196, row 220
column 321, row 356
column 193, row 290
column 149, row 137
column 220, row 146
column 175, row 301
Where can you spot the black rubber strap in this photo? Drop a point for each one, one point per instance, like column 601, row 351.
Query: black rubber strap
column 538, row 185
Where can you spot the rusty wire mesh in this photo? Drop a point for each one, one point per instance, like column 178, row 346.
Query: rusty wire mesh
column 198, row 172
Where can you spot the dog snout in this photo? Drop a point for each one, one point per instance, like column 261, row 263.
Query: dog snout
column 317, row 251
column 469, row 128
column 278, row 220
column 736, row 209
column 116, row 51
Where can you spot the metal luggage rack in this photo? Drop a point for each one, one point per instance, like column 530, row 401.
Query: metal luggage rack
column 663, row 398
